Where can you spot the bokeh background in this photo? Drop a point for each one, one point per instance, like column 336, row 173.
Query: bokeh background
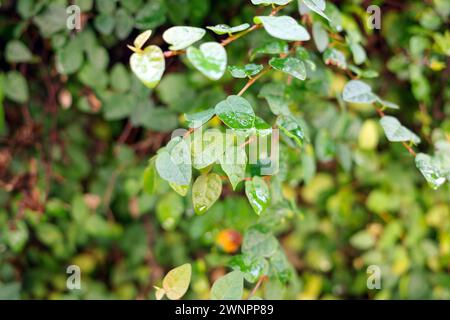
column 77, row 130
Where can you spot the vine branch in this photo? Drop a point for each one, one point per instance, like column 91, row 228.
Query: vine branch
column 407, row 146
column 230, row 38
column 258, row 284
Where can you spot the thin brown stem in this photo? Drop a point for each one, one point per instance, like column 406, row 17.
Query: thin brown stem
column 258, row 284
column 252, row 81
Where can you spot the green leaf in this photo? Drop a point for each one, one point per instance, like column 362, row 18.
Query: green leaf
column 2, row 97
column 395, row 132
column 334, row 57
column 17, row 237
column 17, row 52
column 358, row 52
column 262, row 127
column 274, row 93
column 228, row 287
column 69, row 59
column 176, row 91
column 292, row 66
column 320, row 36
column 169, row 210
column 284, row 27
column 292, row 128
column 10, row 291
column 325, row 146
column 308, row 160
column 104, row 23
column 248, row 71
column 205, row 192
column 280, row 266
column 124, row 24
column 258, row 194
column 318, row 6
column 236, row 112
column 92, row 77
column 252, row 267
column 303, row 54
column 430, row 170
column 176, row 282
column 387, row 104
column 275, row 47
column 120, row 79
column 362, row 240
column 363, row 73
column 357, row 91
column 149, row 177
column 173, row 163
column 151, row 15
column 182, row 37
column 106, row 6
column 221, row 29
column 210, row 59
column 234, row 163
column 259, row 243
column 149, row 65
column 98, row 56
column 51, row 20
column 181, row 190
column 198, row 119
column 16, row 87
column 208, row 147
column 149, row 117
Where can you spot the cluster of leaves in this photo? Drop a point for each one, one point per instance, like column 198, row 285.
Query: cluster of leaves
column 113, row 193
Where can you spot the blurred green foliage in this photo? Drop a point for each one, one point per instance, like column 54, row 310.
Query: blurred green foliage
column 78, row 130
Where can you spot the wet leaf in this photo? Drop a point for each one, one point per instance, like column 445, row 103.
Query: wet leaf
column 205, row 192
column 210, row 59
column 258, row 194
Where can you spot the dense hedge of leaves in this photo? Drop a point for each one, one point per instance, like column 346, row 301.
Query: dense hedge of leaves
column 87, row 178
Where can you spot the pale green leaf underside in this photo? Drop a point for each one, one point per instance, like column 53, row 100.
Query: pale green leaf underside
column 284, row 27
column 234, row 163
column 292, row 66
column 259, row 244
column 249, row 70
column 149, row 65
column 318, row 6
column 173, row 163
column 357, row 91
column 221, row 29
column 210, row 59
column 228, row 287
column 430, row 170
column 182, row 37
column 208, row 147
column 396, row 132
column 320, row 36
column 176, row 282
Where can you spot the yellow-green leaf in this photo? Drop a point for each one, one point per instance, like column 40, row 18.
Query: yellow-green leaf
column 176, row 282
